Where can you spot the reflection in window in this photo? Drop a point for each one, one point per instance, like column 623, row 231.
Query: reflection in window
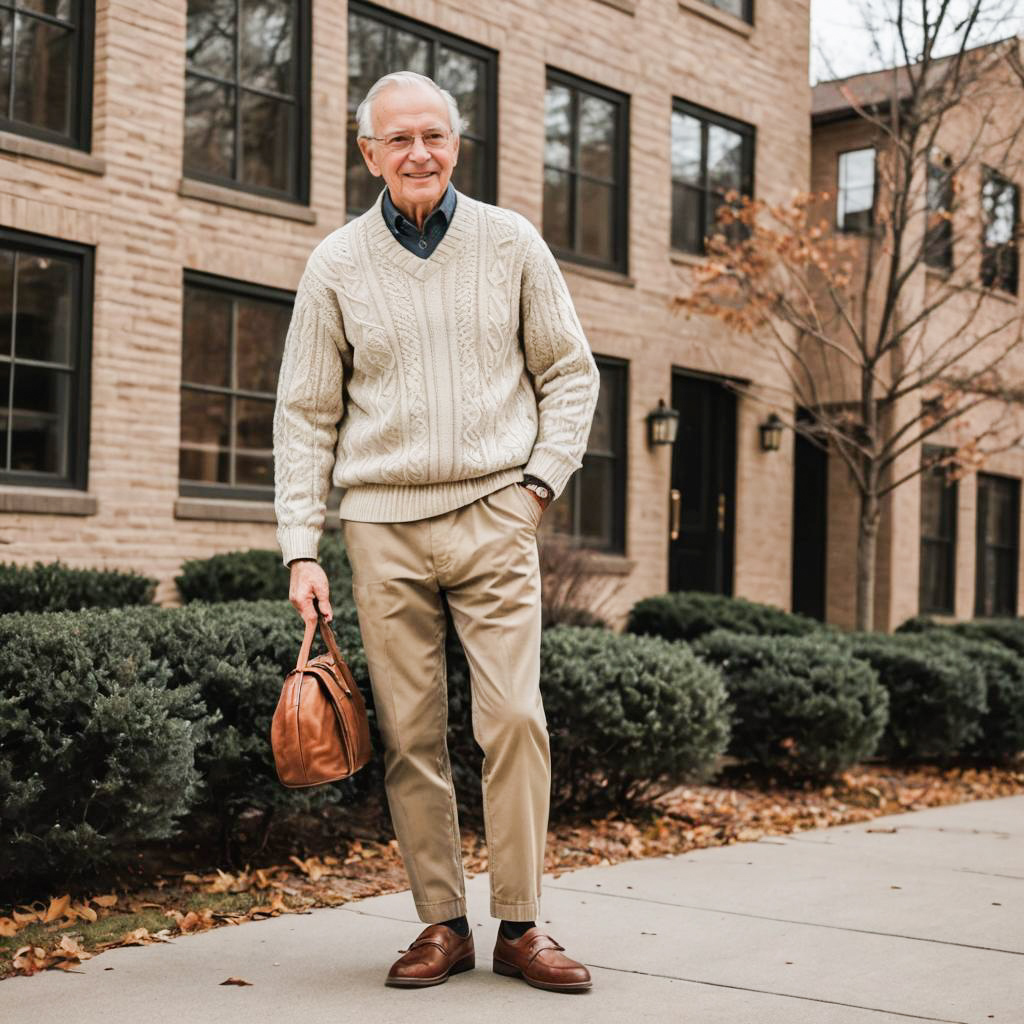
column 585, row 171
column 232, row 343
column 738, row 8
column 592, row 508
column 855, row 199
column 246, row 111
column 42, row 354
column 938, row 537
column 938, row 242
column 45, row 69
column 997, row 530
column 379, row 43
column 711, row 156
column 1000, row 203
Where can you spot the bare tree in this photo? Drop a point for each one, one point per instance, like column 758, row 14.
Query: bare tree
column 908, row 330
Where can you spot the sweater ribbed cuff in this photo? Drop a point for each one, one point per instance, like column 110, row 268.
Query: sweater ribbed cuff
column 298, row 542
column 554, row 469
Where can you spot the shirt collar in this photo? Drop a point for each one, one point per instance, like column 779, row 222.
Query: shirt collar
column 396, row 220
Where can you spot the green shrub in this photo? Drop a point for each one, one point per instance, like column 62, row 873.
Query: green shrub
column 803, row 706
column 258, row 574
column 56, row 587
column 689, row 614
column 1008, row 632
column 1002, row 727
column 936, row 695
column 96, row 752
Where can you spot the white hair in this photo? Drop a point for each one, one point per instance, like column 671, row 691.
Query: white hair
column 364, row 112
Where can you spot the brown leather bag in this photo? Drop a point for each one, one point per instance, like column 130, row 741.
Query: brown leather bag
column 319, row 732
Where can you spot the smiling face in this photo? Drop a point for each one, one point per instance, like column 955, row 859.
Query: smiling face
column 418, row 177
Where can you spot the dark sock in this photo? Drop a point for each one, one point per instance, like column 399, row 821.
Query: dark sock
column 458, row 924
column 514, row 929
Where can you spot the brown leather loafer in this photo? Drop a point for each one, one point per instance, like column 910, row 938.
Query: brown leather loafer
column 434, row 954
column 536, row 958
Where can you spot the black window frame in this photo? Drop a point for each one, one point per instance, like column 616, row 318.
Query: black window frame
column 619, row 457
column 708, row 117
column 78, row 425
column 853, row 229
column 435, row 37
column 620, row 227
column 981, row 545
column 938, row 239
column 235, row 289
column 304, row 113
column 80, row 137
column 988, row 278
column 939, row 547
column 747, row 15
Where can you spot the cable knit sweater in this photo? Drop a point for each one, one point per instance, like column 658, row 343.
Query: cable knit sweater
column 421, row 385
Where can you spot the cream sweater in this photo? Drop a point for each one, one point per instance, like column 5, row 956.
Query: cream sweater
column 420, row 385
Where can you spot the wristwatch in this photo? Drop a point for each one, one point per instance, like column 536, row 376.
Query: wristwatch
column 538, row 487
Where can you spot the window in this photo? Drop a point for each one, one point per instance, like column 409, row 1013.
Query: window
column 998, row 526
column 855, row 201
column 1000, row 203
column 45, row 329
column 938, row 242
column 380, row 42
column 711, row 155
column 232, row 344
column 592, row 508
column 247, row 95
column 46, row 69
column 938, row 537
column 743, row 9
column 585, row 160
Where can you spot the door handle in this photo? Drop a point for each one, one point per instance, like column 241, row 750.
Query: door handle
column 721, row 513
column 676, row 513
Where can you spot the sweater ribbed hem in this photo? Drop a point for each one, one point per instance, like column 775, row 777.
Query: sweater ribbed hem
column 298, row 542
column 401, row 503
column 551, row 467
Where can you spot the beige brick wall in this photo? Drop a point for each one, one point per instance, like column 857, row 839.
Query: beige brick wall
column 146, row 234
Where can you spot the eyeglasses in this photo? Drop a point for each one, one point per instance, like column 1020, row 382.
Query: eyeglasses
column 435, row 138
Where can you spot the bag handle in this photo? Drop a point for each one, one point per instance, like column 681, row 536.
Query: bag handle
column 326, row 632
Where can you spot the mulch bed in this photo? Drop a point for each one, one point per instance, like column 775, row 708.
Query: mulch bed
column 163, row 899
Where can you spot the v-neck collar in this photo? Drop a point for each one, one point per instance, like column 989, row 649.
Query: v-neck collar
column 383, row 241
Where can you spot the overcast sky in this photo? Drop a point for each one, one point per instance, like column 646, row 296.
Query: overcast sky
column 838, row 36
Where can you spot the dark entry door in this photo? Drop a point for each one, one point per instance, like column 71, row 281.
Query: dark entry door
column 703, row 485
column 810, row 519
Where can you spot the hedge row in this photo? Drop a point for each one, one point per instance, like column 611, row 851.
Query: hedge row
column 58, row 587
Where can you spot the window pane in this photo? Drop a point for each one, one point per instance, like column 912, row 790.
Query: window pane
column 602, row 429
column 205, row 422
column 254, row 441
column 6, row 44
column 206, row 341
column 261, row 329
column 209, row 37
column 269, row 144
column 597, row 219
column 43, row 68
column 40, row 421
column 598, row 493
column 462, row 76
column 6, row 308
column 686, row 149
column 558, row 517
column 597, row 137
column 42, row 328
column 63, row 9
column 557, row 223
column 725, row 158
column 209, row 128
column 856, row 188
column 735, row 7
column 468, row 174
column 687, row 230
column 998, row 199
column 266, row 38
column 557, row 127
column 366, row 53
column 5, row 412
column 409, row 53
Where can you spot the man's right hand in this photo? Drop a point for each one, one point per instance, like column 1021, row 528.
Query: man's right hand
column 308, row 580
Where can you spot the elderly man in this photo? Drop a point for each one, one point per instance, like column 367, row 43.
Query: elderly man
column 436, row 369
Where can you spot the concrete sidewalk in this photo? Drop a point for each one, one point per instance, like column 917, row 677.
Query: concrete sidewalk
column 848, row 925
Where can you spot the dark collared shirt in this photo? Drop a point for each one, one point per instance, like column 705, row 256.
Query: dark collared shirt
column 425, row 242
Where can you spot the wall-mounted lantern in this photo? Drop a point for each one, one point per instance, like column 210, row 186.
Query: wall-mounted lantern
column 771, row 434
column 662, row 424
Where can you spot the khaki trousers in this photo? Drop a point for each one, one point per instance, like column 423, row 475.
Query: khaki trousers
column 484, row 557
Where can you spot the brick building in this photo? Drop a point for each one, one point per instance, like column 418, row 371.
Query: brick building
column 166, row 169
